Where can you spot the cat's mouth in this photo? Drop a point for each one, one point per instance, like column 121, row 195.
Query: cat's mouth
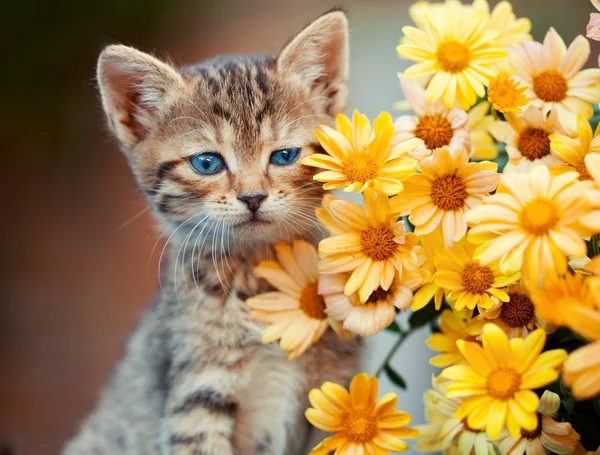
column 253, row 220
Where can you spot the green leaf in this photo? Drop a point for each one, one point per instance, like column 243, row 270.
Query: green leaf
column 395, row 377
column 423, row 316
column 394, row 327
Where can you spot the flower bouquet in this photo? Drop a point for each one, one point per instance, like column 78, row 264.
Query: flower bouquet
column 481, row 215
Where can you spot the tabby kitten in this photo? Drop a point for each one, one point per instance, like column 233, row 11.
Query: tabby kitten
column 216, row 148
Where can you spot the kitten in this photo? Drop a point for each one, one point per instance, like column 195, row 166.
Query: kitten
column 216, row 148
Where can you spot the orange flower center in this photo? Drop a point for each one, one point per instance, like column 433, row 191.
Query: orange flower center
column 534, row 143
column 449, row 192
column 506, row 94
column 359, row 426
column 535, row 433
column 453, row 56
column 539, row 216
column 477, row 278
column 503, row 383
column 377, row 295
column 518, row 311
column 311, row 302
column 435, row 131
column 378, row 242
column 360, row 168
column 582, row 169
column 550, row 86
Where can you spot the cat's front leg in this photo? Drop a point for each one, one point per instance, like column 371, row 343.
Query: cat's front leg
column 200, row 414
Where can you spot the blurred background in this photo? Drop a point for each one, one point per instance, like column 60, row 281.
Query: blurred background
column 79, row 254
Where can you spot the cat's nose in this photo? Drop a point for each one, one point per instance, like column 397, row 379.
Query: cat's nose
column 253, row 201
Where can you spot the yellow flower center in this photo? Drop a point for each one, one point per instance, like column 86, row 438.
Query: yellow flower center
column 539, row 216
column 377, row 295
column 505, row 94
column 360, row 168
column 435, row 131
column 534, row 143
column 550, row 86
column 582, row 169
column 477, row 278
column 359, row 426
column 518, row 311
column 535, row 433
column 378, row 242
column 449, row 192
column 503, row 383
column 453, row 56
column 311, row 302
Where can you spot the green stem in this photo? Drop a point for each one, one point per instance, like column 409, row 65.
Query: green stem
column 402, row 336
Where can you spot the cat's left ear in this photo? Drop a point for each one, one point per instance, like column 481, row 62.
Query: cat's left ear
column 319, row 56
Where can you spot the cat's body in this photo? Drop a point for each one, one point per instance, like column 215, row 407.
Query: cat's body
column 195, row 378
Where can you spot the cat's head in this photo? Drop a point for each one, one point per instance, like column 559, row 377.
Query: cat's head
column 220, row 143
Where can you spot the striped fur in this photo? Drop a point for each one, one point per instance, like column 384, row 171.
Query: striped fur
column 195, row 378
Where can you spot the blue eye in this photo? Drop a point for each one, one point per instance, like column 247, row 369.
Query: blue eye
column 285, row 156
column 207, row 163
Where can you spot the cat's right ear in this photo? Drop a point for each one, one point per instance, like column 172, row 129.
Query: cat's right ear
column 134, row 86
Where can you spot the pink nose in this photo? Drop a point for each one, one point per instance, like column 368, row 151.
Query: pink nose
column 253, row 201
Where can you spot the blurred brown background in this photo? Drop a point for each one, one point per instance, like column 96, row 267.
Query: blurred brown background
column 77, row 265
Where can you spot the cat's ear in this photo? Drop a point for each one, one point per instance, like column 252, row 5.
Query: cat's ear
column 134, row 86
column 319, row 56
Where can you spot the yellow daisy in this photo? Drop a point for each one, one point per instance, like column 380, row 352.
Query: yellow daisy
column 370, row 242
column 582, row 371
column 295, row 312
column 556, row 437
column 572, row 151
column 517, row 317
column 359, row 158
column 458, row 52
column 506, row 95
column 446, row 189
column 569, row 300
column 453, row 327
column 435, row 124
column 498, row 383
column 379, row 311
column 483, row 146
column 533, row 224
column 591, row 221
column 553, row 76
column 467, row 282
column 445, row 432
column 502, row 19
column 362, row 423
column 429, row 290
column 527, row 139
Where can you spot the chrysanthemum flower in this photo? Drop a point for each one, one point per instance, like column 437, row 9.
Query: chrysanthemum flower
column 431, row 243
column 506, row 95
column 453, row 327
column 569, row 300
column 362, row 423
column 483, row 146
column 517, row 317
column 582, row 371
column 553, row 76
column 371, row 243
column 295, row 312
column 467, row 282
column 498, row 383
column 572, row 151
column 592, row 220
column 445, row 433
column 527, row 139
column 446, row 189
column 533, row 224
column 435, row 124
column 359, row 158
column 459, row 52
column 593, row 27
column 556, row 437
column 379, row 311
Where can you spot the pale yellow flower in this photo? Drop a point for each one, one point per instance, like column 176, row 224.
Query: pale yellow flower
column 556, row 437
column 592, row 220
column 483, row 146
column 582, row 371
column 453, row 327
column 553, row 75
column 499, row 380
column 445, row 190
column 431, row 244
column 435, row 124
column 506, row 95
column 360, row 158
column 572, row 151
column 370, row 242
